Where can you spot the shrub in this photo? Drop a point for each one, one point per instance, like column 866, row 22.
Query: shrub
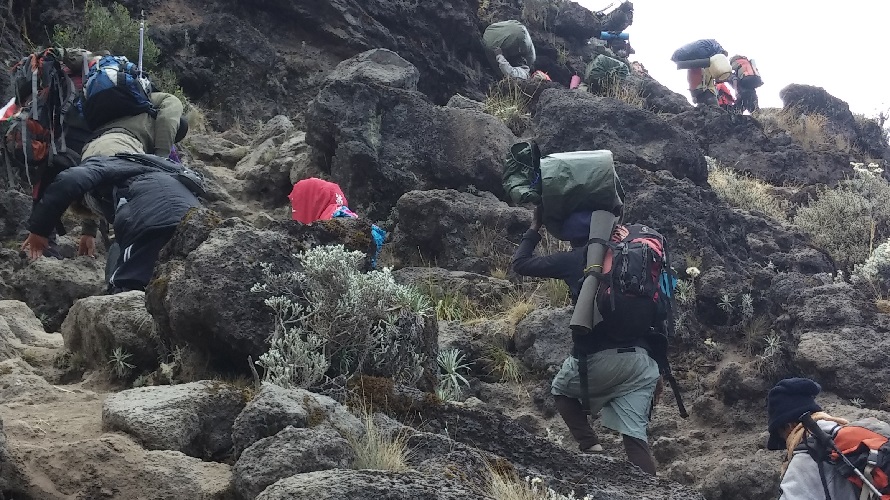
column 330, row 317
column 451, row 379
column 508, row 487
column 874, row 274
column 112, row 29
column 846, row 220
column 746, row 192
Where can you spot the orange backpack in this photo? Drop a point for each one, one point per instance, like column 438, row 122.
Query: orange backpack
column 868, row 450
column 745, row 73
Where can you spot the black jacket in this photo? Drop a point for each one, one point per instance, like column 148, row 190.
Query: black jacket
column 135, row 198
column 566, row 266
column 569, row 267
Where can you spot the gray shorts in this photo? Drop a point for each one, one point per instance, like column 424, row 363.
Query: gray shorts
column 620, row 384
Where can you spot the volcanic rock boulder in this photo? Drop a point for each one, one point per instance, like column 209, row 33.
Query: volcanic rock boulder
column 216, row 52
column 194, row 418
column 543, row 338
column 455, row 230
column 483, row 291
column 739, row 142
column 368, row 485
column 51, row 286
column 274, row 408
column 21, row 334
column 274, row 153
column 572, row 121
column 291, row 451
column 809, row 99
column 841, row 341
column 113, row 463
column 95, row 326
column 15, row 208
column 379, row 66
column 380, row 142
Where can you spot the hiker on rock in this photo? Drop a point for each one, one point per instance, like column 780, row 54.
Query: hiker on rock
column 745, row 80
column 510, row 49
column 138, row 195
column 707, row 64
column 153, row 123
column 623, row 378
column 508, row 70
column 811, row 471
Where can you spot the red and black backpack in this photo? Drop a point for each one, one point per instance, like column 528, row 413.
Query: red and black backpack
column 632, row 295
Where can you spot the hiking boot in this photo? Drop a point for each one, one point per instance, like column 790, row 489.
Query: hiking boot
column 597, row 448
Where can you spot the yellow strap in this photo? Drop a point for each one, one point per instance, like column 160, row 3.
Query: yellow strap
column 588, row 268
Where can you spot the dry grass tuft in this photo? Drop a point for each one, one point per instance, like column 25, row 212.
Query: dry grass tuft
column 810, row 130
column 377, row 451
column 746, row 192
column 509, row 103
column 625, row 92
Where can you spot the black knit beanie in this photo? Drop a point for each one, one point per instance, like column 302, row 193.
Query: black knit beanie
column 786, row 402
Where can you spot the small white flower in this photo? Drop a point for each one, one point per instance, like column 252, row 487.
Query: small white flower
column 692, row 272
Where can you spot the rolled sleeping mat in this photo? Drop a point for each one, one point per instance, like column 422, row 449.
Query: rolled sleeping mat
column 694, row 64
column 586, row 314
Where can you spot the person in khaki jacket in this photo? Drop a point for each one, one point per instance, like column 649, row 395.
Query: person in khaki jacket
column 135, row 134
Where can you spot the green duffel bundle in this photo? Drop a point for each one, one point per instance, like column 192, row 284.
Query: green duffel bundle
column 563, row 183
column 603, row 70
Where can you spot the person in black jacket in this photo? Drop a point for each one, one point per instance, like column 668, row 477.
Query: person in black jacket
column 623, row 377
column 143, row 203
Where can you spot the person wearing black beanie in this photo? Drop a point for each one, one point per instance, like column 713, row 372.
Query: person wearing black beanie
column 804, row 478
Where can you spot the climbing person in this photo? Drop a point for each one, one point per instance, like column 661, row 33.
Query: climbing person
column 43, row 133
column 315, row 199
column 725, row 98
column 510, row 49
column 623, row 379
column 812, row 470
column 707, row 64
column 144, row 197
column 745, row 79
column 522, row 71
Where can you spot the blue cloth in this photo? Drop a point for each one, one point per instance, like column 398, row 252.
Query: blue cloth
column 377, row 232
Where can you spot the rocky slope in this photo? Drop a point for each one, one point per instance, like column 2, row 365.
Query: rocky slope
column 72, row 424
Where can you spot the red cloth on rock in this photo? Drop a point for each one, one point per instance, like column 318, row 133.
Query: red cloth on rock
column 315, row 199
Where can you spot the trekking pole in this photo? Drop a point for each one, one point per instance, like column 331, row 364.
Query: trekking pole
column 825, row 440
column 141, row 39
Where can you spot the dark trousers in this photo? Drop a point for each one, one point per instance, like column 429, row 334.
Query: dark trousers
column 572, row 413
column 136, row 261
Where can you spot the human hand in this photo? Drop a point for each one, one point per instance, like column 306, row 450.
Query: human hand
column 34, row 245
column 87, row 246
column 498, row 51
column 659, row 388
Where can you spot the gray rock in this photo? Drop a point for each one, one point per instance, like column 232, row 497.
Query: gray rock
column 194, row 418
column 454, row 230
column 368, row 485
column 215, row 149
column 269, row 171
column 274, row 408
column 380, row 142
column 748, row 478
column 381, row 66
column 19, row 383
column 51, row 286
column 21, row 332
column 278, row 128
column 57, row 471
column 291, row 451
column 481, row 290
column 15, row 208
column 543, row 338
column 461, row 102
column 635, row 136
column 95, row 326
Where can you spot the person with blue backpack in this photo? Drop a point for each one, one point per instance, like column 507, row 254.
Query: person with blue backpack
column 126, row 116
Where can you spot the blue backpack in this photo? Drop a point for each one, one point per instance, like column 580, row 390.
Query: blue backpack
column 113, row 90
